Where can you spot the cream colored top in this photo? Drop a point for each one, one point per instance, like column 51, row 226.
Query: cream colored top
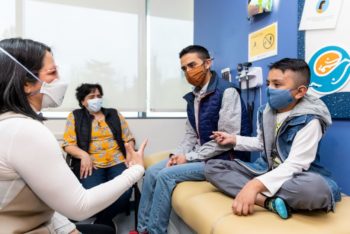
column 30, row 156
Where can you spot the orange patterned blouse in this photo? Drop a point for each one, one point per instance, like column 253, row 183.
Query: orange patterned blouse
column 104, row 150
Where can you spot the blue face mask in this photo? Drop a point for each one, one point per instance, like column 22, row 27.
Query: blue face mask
column 94, row 105
column 279, row 98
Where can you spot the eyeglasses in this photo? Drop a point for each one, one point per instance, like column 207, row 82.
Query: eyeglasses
column 190, row 66
column 193, row 64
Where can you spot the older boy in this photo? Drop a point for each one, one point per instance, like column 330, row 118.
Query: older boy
column 288, row 174
column 213, row 105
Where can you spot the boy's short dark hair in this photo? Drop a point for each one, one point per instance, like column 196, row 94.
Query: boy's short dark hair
column 85, row 89
column 295, row 65
column 200, row 50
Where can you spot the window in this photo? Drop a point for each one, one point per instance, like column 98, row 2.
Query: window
column 107, row 42
column 95, row 42
column 170, row 29
column 7, row 18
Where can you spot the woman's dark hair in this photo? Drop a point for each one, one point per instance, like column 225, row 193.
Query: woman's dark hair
column 85, row 89
column 13, row 77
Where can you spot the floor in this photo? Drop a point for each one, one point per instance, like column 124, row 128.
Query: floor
column 125, row 223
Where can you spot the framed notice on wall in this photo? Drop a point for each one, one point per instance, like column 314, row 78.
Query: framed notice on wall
column 263, row 43
column 327, row 52
column 320, row 14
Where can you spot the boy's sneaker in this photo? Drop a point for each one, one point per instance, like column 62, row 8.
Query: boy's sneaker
column 278, row 206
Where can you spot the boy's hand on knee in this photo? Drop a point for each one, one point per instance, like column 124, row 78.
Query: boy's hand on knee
column 246, row 198
column 244, row 203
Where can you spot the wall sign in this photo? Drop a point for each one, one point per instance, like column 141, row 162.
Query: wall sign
column 320, row 14
column 263, row 43
column 330, row 69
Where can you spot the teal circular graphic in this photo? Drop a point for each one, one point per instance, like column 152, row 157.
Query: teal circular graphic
column 330, row 69
column 322, row 6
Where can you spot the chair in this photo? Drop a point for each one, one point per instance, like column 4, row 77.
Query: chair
column 132, row 204
column 94, row 229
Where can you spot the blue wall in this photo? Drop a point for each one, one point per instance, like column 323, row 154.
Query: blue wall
column 223, row 28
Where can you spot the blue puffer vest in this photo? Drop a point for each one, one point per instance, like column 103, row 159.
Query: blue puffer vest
column 284, row 141
column 208, row 115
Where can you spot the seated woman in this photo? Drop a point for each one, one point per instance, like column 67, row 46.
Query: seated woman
column 95, row 137
column 35, row 180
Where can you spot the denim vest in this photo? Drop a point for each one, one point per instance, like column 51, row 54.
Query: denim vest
column 208, row 116
column 284, row 141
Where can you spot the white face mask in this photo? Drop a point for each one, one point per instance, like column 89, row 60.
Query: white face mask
column 94, row 105
column 53, row 93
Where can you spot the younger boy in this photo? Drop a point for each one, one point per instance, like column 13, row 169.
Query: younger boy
column 288, row 173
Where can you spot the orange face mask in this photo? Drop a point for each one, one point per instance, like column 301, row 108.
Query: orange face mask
column 196, row 76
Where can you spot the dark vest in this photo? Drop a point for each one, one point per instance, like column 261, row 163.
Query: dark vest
column 83, row 123
column 208, row 116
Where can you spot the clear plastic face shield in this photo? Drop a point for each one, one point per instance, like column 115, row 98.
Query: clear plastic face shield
column 53, row 92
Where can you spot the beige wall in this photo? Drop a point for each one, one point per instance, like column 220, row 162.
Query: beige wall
column 163, row 134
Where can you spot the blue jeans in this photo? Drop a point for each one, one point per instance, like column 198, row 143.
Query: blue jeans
column 102, row 175
column 158, row 185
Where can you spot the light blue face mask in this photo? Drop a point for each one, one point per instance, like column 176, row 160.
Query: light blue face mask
column 94, row 105
column 279, row 98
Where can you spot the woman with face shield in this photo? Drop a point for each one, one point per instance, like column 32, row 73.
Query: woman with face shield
column 35, row 180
